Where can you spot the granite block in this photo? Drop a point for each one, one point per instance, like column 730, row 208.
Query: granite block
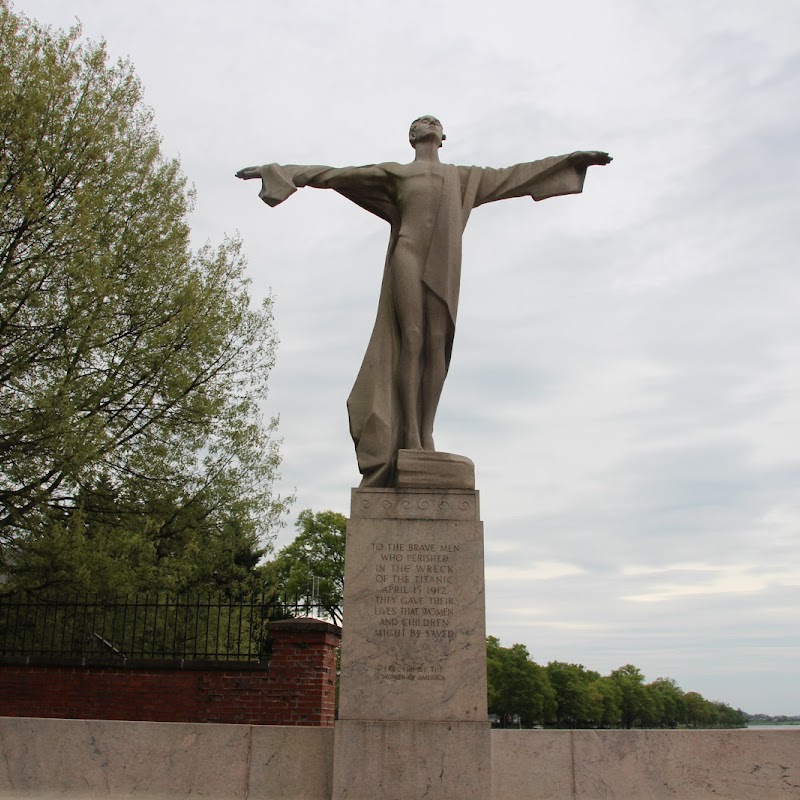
column 48, row 758
column 414, row 639
column 531, row 765
column 398, row 760
column 114, row 758
column 291, row 763
column 690, row 765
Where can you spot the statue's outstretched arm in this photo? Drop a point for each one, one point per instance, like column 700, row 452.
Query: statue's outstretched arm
column 590, row 158
column 248, row 173
column 280, row 181
column 547, row 177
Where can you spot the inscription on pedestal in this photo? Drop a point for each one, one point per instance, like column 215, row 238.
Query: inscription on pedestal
column 415, row 618
column 414, row 597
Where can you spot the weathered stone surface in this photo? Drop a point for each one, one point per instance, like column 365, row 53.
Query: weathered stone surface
column 446, row 504
column 428, row 469
column 691, row 765
column 291, row 763
column 427, row 204
column 532, row 764
column 412, row 702
column 110, row 758
column 398, row 760
column 646, row 765
column 49, row 758
column 413, row 645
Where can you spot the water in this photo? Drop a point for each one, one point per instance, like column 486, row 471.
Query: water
column 773, row 727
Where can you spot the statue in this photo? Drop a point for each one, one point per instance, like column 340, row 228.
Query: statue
column 427, row 204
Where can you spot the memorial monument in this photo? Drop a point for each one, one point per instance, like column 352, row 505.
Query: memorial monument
column 427, row 204
column 412, row 710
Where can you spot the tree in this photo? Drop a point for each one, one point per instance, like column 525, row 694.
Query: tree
column 517, row 685
column 131, row 368
column 697, row 710
column 639, row 707
column 579, row 701
column 670, row 700
column 729, row 717
column 606, row 701
column 316, row 552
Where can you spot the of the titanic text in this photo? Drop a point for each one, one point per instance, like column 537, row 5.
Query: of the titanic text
column 414, row 599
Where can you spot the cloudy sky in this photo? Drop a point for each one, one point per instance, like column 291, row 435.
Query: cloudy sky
column 625, row 373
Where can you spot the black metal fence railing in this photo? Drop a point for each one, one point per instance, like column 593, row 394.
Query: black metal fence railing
column 144, row 626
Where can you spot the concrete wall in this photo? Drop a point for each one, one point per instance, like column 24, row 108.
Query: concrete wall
column 646, row 765
column 43, row 758
column 47, row 758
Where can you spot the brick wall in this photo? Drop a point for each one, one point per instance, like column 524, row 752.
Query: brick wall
column 297, row 687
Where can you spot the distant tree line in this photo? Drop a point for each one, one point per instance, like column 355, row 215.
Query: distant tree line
column 524, row 693
column 773, row 719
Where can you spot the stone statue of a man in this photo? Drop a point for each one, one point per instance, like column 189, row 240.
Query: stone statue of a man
column 427, row 204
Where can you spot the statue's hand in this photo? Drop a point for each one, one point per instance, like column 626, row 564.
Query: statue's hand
column 247, row 173
column 591, row 158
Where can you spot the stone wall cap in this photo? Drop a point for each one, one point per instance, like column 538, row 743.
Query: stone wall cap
column 304, row 624
column 104, row 662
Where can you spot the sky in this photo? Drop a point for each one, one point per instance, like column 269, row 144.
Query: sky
column 624, row 374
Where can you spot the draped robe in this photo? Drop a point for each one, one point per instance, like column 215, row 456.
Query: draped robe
column 373, row 406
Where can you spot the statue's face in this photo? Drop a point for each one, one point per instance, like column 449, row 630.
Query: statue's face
column 424, row 128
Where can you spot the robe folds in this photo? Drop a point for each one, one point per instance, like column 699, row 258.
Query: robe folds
column 373, row 406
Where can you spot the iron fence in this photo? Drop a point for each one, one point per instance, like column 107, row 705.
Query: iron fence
column 142, row 626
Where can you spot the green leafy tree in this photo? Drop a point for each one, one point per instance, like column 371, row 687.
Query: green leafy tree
column 606, row 702
column 579, row 700
column 517, row 685
column 702, row 713
column 639, row 707
column 729, row 717
column 670, row 700
column 570, row 695
column 698, row 712
column 131, row 367
column 316, row 552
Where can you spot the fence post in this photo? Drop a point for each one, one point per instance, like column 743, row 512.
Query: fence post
column 303, row 659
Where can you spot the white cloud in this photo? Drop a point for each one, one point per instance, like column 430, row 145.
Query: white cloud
column 695, row 579
column 542, row 571
column 650, row 570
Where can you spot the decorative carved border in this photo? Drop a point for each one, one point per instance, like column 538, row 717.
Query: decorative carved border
column 458, row 504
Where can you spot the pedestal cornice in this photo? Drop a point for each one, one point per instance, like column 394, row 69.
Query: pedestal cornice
column 436, row 504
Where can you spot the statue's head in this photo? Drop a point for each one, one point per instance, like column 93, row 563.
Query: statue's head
column 425, row 127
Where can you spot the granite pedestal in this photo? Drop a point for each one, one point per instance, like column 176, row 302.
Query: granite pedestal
column 412, row 705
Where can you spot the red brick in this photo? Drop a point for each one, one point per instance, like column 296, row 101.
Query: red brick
column 297, row 689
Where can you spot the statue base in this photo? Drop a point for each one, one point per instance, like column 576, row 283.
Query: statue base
column 428, row 469
column 412, row 705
